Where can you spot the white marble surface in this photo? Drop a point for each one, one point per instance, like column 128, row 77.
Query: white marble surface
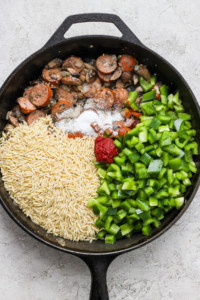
column 168, row 268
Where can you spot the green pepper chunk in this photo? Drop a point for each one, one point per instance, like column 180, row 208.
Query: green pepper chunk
column 149, row 96
column 126, row 228
column 175, row 163
column 174, row 191
column 153, row 201
column 110, row 239
column 155, row 123
column 177, row 124
column 130, row 102
column 103, row 189
column 179, row 202
column 192, row 146
column 129, row 185
column 155, row 166
column 145, row 158
column 146, row 86
column 117, row 143
column 146, row 120
column 164, row 90
column 146, row 230
column 133, row 157
column 101, row 172
column 184, row 116
column 143, row 204
column 147, row 108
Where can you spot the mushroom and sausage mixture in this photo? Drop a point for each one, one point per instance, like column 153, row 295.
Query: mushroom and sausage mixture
column 95, row 92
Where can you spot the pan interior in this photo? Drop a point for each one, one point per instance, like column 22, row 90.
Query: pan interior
column 88, row 47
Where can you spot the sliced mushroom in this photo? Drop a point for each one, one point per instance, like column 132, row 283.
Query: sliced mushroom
column 107, row 84
column 15, row 116
column 117, row 73
column 73, row 72
column 142, row 70
column 54, row 63
column 65, row 73
column 91, row 76
column 76, row 111
column 90, row 104
column 120, row 84
column 135, row 79
column 126, row 76
column 157, row 88
column 65, row 87
column 83, row 75
column 138, row 100
column 123, row 112
column 80, row 96
column 8, row 127
column 71, row 80
column 130, row 123
column 139, row 89
column 77, row 88
column 89, row 66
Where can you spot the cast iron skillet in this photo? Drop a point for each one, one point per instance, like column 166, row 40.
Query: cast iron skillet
column 96, row 255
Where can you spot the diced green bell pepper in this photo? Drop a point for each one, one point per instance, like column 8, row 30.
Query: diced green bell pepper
column 175, row 163
column 147, row 108
column 155, row 166
column 149, row 96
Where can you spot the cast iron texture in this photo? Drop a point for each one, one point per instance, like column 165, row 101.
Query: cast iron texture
column 97, row 255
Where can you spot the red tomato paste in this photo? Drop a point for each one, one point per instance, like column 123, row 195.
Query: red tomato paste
column 105, row 149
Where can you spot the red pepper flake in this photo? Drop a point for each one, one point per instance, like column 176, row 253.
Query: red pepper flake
column 105, row 149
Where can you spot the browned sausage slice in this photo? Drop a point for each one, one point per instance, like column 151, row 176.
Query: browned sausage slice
column 26, row 105
column 52, row 76
column 73, row 62
column 62, row 94
column 104, row 98
column 110, row 77
column 34, row 115
column 71, row 80
column 127, row 63
column 104, row 77
column 40, row 95
column 106, row 63
column 54, row 63
column 120, row 97
column 59, row 107
column 27, row 92
column 89, row 89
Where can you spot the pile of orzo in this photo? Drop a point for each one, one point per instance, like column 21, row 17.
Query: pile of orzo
column 51, row 177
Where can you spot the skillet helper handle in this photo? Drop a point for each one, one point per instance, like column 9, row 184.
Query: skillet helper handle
column 98, row 268
column 58, row 36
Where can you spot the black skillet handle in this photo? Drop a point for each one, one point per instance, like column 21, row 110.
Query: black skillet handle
column 98, row 266
column 58, row 36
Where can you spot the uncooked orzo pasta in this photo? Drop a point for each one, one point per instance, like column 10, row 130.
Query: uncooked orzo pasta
column 51, row 177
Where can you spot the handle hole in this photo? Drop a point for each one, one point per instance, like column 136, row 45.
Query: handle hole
column 93, row 28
